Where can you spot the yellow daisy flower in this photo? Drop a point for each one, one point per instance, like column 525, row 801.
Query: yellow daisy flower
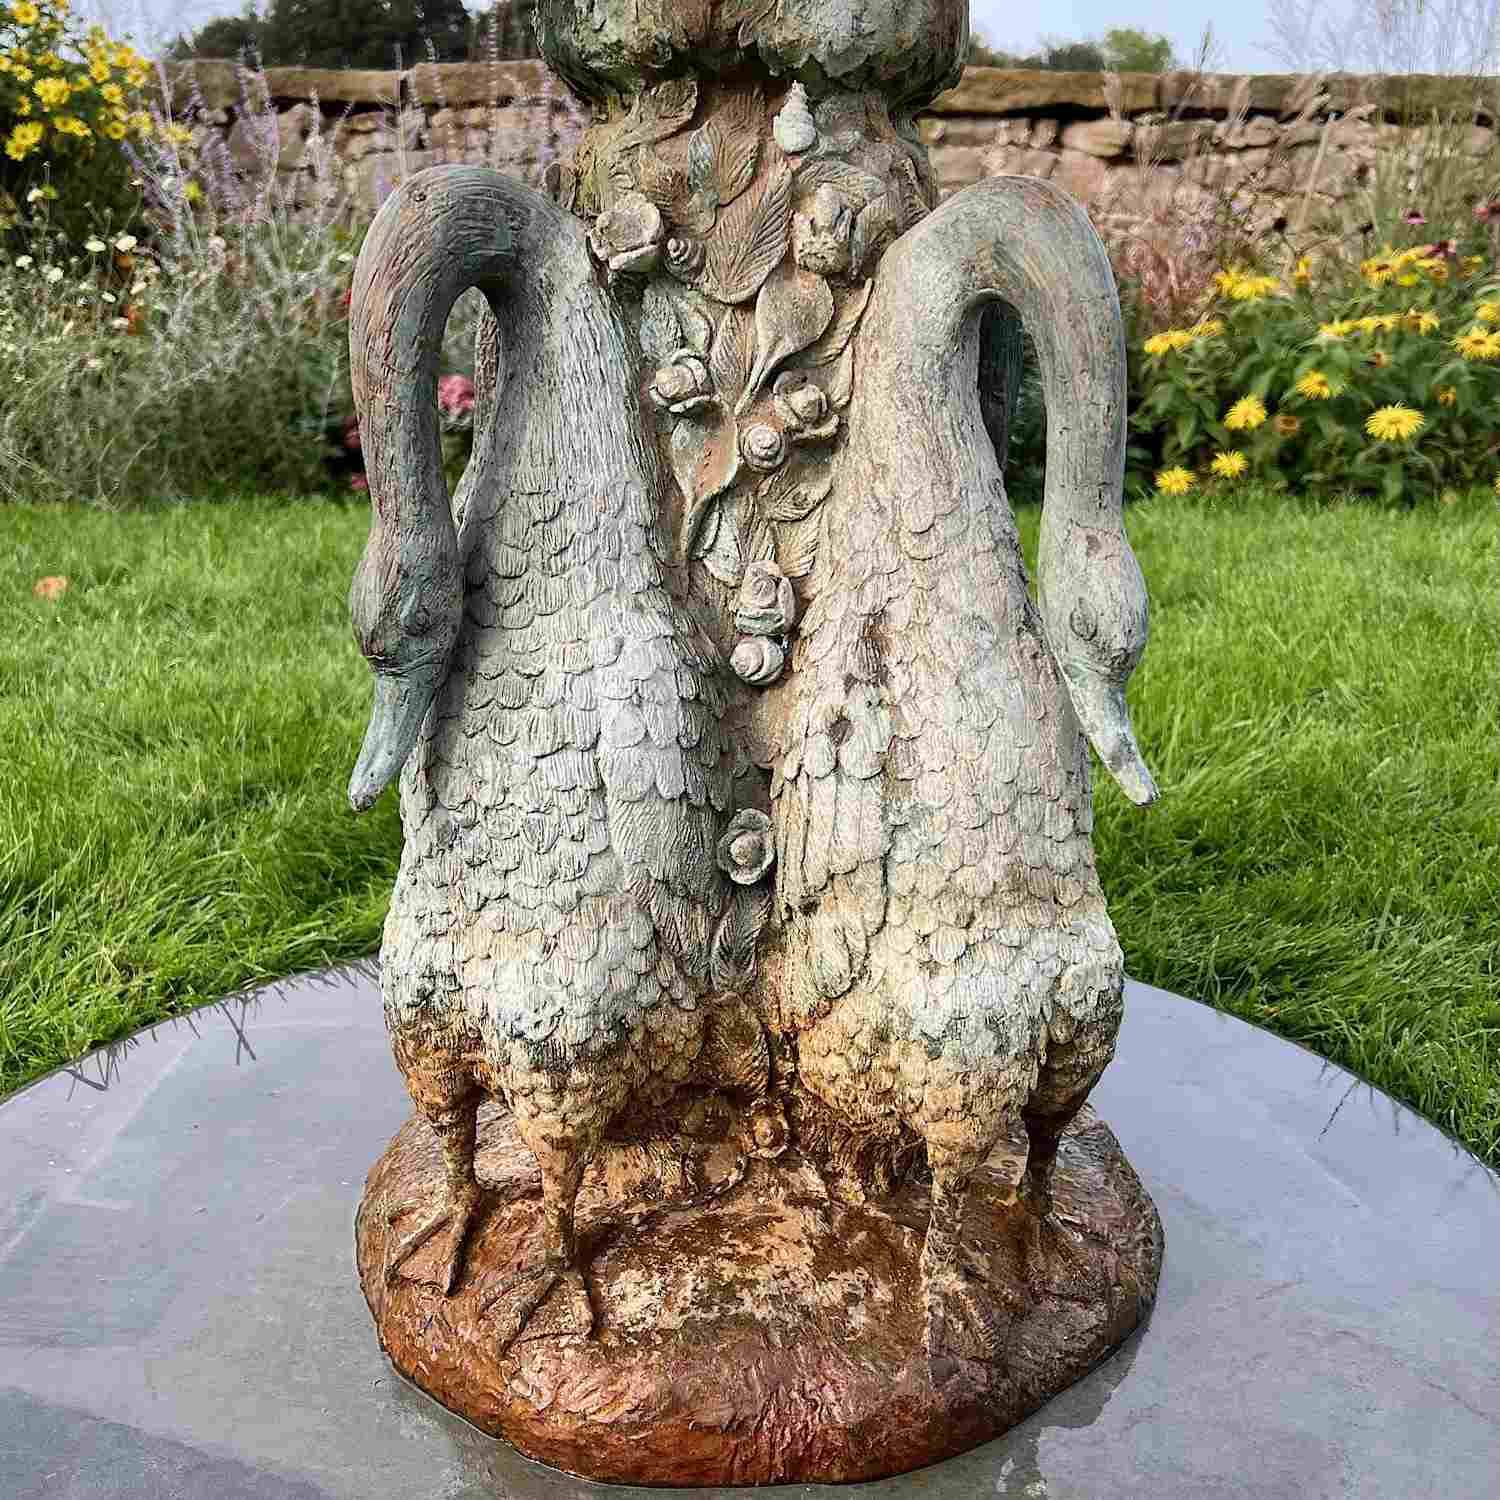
column 26, row 13
column 1175, row 481
column 1164, row 343
column 1337, row 330
column 1315, row 385
column 1420, row 322
column 1488, row 312
column 1476, row 343
column 1302, row 271
column 1394, row 424
column 1230, row 464
column 1446, row 395
column 1246, row 413
column 24, row 138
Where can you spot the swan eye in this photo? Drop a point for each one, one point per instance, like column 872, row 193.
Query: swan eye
column 1084, row 623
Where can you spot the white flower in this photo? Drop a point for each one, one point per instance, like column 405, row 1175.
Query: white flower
column 24, row 262
column 107, row 297
column 34, row 194
column 125, row 244
column 94, row 245
column 54, row 274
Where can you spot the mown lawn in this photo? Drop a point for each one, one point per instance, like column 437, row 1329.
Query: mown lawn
column 1318, row 703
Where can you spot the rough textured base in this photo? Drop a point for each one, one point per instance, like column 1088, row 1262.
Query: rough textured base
column 769, row 1334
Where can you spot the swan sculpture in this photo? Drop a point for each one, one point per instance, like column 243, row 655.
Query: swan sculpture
column 734, row 755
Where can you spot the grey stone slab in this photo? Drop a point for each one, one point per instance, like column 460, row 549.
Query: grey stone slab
column 180, row 1318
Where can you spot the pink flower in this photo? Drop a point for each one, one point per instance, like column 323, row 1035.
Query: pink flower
column 359, row 482
column 351, row 434
column 455, row 393
column 1414, row 216
column 1486, row 211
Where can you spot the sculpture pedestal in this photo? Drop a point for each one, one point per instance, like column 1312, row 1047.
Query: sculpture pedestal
column 770, row 1334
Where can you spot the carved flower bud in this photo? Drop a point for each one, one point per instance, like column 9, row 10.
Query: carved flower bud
column 763, row 447
column 821, row 236
column 757, row 660
column 684, row 385
column 767, row 605
column 798, row 400
column 684, row 257
column 803, row 406
column 747, row 849
column 628, row 236
column 795, row 130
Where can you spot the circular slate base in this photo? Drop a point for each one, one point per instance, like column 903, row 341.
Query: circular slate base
column 181, row 1319
column 766, row 1335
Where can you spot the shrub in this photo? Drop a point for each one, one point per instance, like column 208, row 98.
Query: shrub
column 1384, row 381
column 68, row 100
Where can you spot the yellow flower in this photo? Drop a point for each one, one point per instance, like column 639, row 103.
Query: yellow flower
column 52, row 91
column 1302, row 271
column 1408, row 278
column 24, row 138
column 1478, row 343
column 1488, row 312
column 1253, row 288
column 1286, row 424
column 1315, row 385
column 1338, row 330
column 1208, row 328
column 99, row 70
column 1394, row 424
column 23, row 75
column 1472, row 262
column 112, row 93
column 1229, row 465
column 26, row 13
column 1420, row 322
column 1446, row 395
column 115, row 131
column 1175, row 481
column 1246, row 413
column 192, row 192
column 1157, row 345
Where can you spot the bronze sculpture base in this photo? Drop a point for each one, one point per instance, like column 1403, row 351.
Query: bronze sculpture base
column 767, row 1334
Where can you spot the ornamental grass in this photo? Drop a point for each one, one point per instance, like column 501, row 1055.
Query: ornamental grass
column 195, row 343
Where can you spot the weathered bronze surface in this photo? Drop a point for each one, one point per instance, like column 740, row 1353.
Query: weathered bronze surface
column 746, row 792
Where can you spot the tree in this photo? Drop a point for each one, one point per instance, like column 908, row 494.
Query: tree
column 506, row 31
column 1124, row 49
column 226, row 37
column 362, row 33
column 1130, row 50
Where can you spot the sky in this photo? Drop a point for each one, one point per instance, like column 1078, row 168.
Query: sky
column 1242, row 34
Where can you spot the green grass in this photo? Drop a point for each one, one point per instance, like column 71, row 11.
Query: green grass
column 1318, row 705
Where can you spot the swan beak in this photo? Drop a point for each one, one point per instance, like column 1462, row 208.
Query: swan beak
column 1100, row 707
column 401, row 703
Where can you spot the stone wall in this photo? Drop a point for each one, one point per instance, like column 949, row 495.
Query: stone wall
column 1270, row 135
